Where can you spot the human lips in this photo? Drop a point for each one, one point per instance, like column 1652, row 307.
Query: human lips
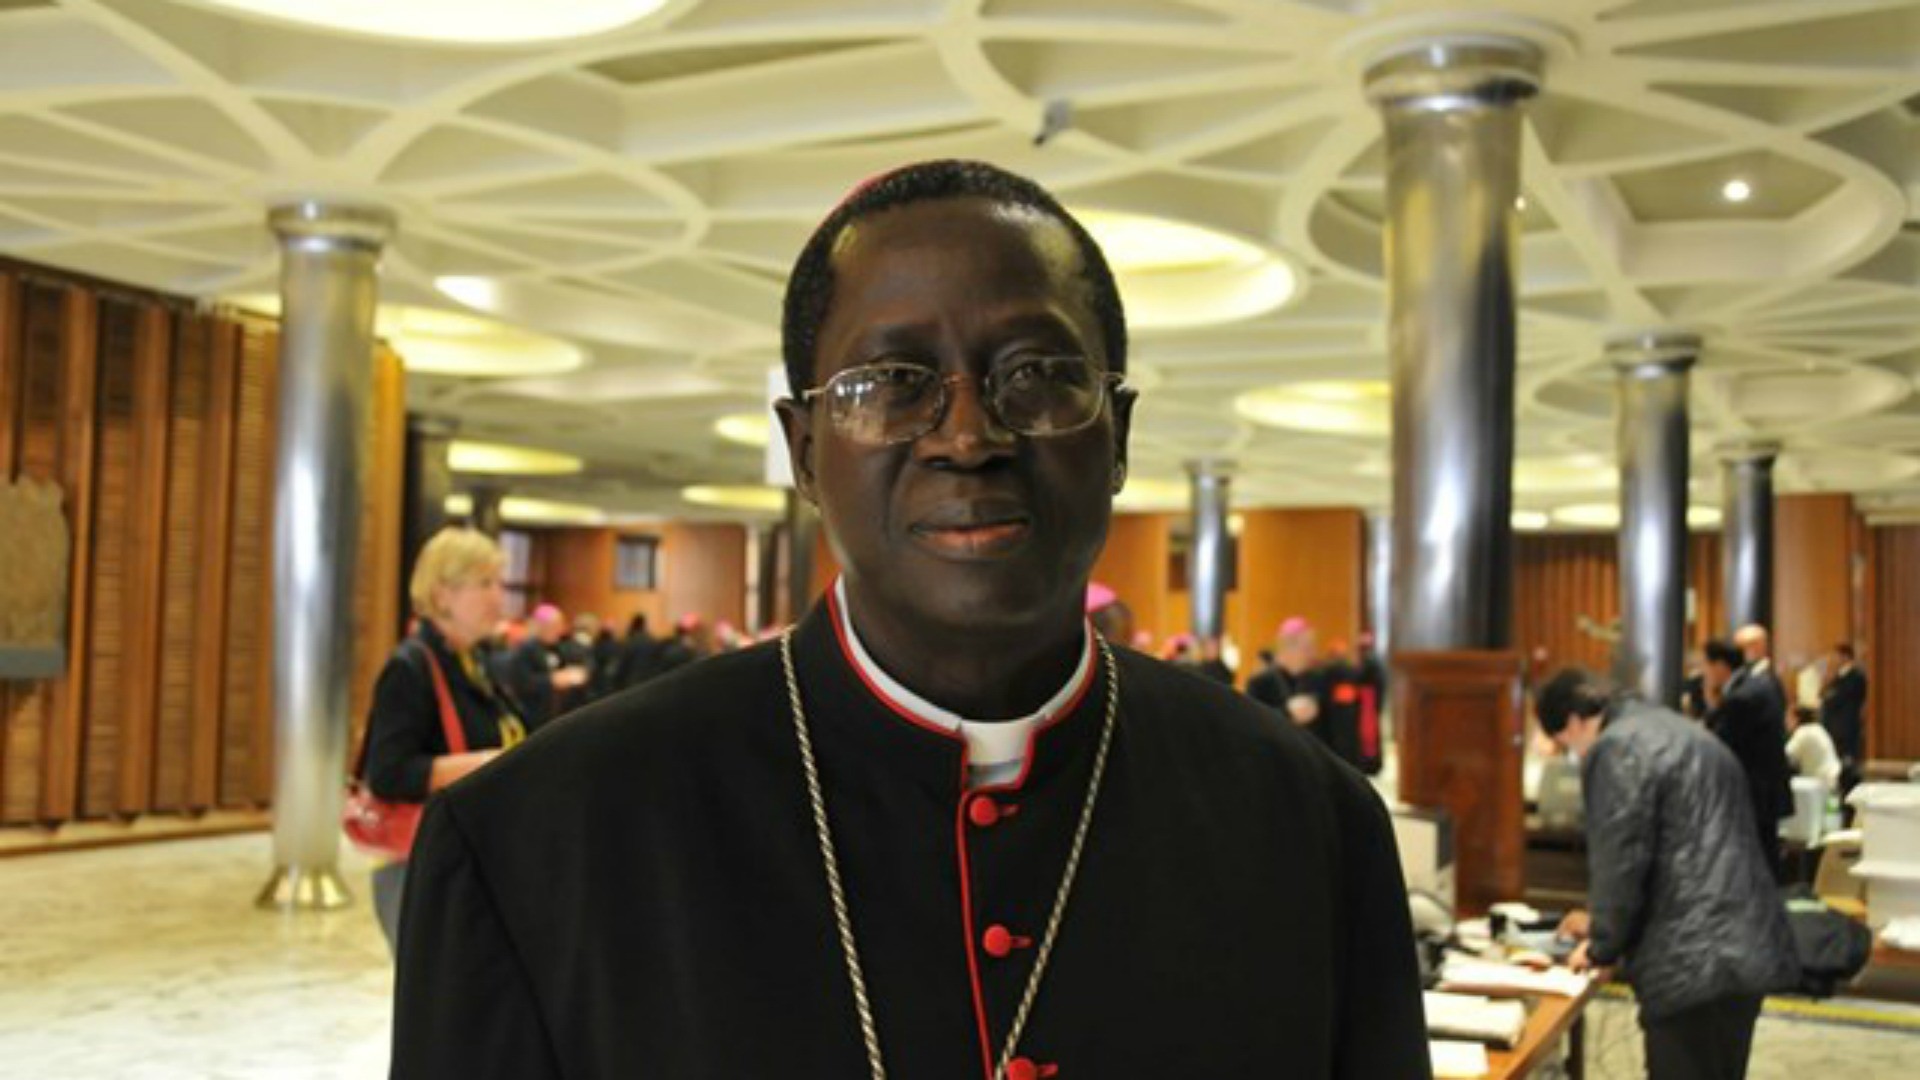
column 974, row 529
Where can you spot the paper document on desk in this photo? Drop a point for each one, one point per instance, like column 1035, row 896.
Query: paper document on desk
column 1457, row 1060
column 1470, row 1016
column 1461, row 974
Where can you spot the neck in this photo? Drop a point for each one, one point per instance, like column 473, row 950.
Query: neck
column 986, row 675
column 455, row 640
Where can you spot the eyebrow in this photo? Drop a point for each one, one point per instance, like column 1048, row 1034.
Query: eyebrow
column 1042, row 323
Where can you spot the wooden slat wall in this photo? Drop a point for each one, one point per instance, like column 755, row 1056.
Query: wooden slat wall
column 1559, row 577
column 1893, row 677
column 1306, row 562
column 1813, row 569
column 158, row 423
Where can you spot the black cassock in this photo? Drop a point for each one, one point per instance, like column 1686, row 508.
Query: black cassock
column 637, row 892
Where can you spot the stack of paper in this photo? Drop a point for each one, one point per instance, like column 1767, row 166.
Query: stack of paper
column 1464, row 974
column 1458, row 1060
column 1468, row 1016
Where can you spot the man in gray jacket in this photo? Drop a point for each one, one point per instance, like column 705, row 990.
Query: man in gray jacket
column 1681, row 899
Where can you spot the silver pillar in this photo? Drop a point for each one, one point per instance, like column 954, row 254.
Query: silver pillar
column 1453, row 170
column 1207, row 561
column 1652, row 439
column 328, row 290
column 1380, row 581
column 1747, row 534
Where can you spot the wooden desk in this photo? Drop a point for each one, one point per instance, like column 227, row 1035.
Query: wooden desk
column 1552, row 1016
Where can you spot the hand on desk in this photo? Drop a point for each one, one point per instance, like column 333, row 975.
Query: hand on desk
column 1580, row 965
column 1575, row 925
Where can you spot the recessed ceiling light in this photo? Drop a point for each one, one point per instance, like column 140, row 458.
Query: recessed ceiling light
column 1145, row 494
column 431, row 341
column 1736, row 191
column 1519, row 202
column 464, row 456
column 1357, row 407
column 525, row 511
column 461, row 21
column 1589, row 515
column 747, row 429
column 1530, row 520
column 1703, row 517
column 736, row 497
column 1176, row 273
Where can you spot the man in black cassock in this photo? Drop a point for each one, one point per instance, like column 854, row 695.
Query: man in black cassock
column 940, row 829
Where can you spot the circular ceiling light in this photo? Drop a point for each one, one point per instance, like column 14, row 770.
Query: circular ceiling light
column 1360, row 407
column 1144, row 495
column 1178, row 274
column 1607, row 516
column 523, row 511
column 495, row 22
column 1736, row 191
column 737, row 497
column 435, row 342
column 746, row 429
column 464, row 456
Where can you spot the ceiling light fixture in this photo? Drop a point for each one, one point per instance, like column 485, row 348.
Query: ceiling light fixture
column 525, row 511
column 497, row 22
column 736, row 497
column 1736, row 191
column 1177, row 273
column 431, row 341
column 1144, row 495
column 464, row 456
column 1530, row 520
column 746, row 429
column 1357, row 407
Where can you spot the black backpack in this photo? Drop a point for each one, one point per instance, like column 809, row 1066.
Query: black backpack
column 1830, row 947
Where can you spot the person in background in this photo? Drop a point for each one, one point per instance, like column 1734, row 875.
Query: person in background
column 639, row 654
column 457, row 596
column 605, row 664
column 1842, row 702
column 1373, row 702
column 1746, row 710
column 1292, row 685
column 575, row 649
column 1679, row 898
column 1112, row 618
column 1342, row 691
column 535, row 671
column 1810, row 748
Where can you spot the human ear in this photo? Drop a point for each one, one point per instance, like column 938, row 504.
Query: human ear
column 1123, row 400
column 796, row 422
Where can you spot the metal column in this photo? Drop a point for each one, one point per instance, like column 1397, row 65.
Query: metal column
column 328, row 290
column 1652, row 440
column 1453, row 171
column 1747, row 534
column 1207, row 560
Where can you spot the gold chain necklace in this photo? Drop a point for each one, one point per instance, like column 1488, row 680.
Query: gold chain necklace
column 844, row 922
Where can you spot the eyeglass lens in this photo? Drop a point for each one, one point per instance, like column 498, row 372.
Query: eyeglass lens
column 894, row 402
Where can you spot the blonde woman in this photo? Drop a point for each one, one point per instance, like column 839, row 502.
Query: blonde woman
column 457, row 598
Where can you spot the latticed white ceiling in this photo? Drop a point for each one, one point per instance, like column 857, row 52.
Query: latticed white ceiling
column 640, row 194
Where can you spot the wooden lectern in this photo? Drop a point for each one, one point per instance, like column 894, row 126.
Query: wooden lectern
column 1459, row 720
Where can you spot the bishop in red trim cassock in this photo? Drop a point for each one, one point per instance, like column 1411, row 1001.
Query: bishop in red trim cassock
column 940, row 831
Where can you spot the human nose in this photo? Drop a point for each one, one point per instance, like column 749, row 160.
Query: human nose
column 967, row 433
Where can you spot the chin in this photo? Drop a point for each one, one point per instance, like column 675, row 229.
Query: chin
column 966, row 602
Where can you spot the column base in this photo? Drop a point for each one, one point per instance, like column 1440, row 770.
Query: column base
column 292, row 888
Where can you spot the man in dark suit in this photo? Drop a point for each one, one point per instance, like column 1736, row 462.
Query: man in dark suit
column 1748, row 713
column 1842, row 701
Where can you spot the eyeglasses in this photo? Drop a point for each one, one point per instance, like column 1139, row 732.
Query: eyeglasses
column 894, row 401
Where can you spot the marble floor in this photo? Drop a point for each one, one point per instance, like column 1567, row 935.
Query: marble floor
column 150, row 962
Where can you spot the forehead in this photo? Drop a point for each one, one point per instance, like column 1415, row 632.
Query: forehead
column 948, row 259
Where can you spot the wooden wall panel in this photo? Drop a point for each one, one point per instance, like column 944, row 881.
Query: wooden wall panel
column 1566, row 591
column 60, row 791
column 1812, row 576
column 1306, row 562
column 703, row 571
column 129, row 475
column 376, row 603
column 1893, row 675
column 246, row 757
column 1134, row 565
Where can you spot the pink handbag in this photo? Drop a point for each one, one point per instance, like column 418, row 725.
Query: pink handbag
column 385, row 829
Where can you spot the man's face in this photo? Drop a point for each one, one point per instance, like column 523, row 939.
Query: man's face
column 1716, row 674
column 1578, row 736
column 969, row 526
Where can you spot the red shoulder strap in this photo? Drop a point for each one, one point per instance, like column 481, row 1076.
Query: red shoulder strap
column 449, row 717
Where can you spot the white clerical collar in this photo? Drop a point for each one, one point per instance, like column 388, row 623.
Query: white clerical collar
column 996, row 749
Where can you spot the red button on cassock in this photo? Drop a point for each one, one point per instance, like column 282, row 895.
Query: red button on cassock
column 1000, row 942
column 1027, row 1069
column 983, row 812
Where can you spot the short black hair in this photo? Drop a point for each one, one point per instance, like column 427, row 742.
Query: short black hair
column 1722, row 651
column 1571, row 692
column 810, row 285
column 1844, row 649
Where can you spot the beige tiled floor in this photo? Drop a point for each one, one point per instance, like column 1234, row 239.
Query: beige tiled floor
column 151, row 963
